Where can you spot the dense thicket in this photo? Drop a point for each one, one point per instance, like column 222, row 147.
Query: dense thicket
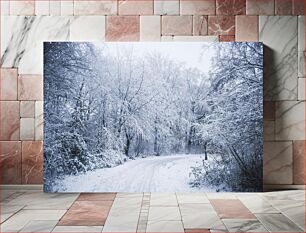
column 102, row 109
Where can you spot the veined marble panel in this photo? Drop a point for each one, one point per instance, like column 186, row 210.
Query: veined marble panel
column 301, row 46
column 278, row 163
column 22, row 40
column 279, row 35
column 290, row 120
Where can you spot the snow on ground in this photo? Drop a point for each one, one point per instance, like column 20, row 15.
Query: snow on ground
column 152, row 174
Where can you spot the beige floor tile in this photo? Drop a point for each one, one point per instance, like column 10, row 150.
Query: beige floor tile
column 39, row 226
column 294, row 210
column 242, row 225
column 192, row 198
column 221, row 195
column 162, row 213
column 40, row 200
column 190, row 209
column 75, row 229
column 128, row 195
column 6, row 193
column 127, row 202
column 258, row 205
column 122, row 219
column 163, row 199
column 278, row 223
column 23, row 217
column 204, row 220
column 8, row 210
column 296, row 195
column 165, row 226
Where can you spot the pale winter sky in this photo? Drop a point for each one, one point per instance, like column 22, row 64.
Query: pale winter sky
column 186, row 52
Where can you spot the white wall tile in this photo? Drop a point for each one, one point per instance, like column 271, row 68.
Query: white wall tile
column 87, row 28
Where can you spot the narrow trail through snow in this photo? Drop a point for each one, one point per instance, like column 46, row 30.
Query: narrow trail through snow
column 152, row 174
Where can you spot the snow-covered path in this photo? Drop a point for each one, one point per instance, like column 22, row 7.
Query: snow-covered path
column 152, row 174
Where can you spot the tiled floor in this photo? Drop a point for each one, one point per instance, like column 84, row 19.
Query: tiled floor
column 35, row 211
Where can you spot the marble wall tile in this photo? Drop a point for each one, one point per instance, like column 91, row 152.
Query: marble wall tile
column 279, row 34
column 150, row 28
column 230, row 7
column 27, row 109
column 32, row 162
column 55, row 8
column 176, row 25
column 246, row 28
column 27, row 129
column 22, row 40
column 194, row 38
column 22, row 7
column 10, row 162
column 42, row 7
column 5, row 7
column 301, row 46
column 203, row 7
column 122, row 28
column 200, row 25
column 39, row 120
column 9, row 120
column 107, row 7
column 8, row 84
column 166, row 7
column 290, row 120
column 283, row 7
column 221, row 25
column 298, row 162
column 298, row 7
column 30, row 87
column 269, row 110
column 277, row 168
column 269, row 130
column 301, row 88
column 87, row 28
column 135, row 7
column 224, row 38
column 66, row 7
column 260, row 7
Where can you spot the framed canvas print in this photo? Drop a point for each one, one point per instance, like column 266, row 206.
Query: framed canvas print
column 153, row 117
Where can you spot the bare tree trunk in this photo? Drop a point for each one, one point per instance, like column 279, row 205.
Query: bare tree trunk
column 205, row 151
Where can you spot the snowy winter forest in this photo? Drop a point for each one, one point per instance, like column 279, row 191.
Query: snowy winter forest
column 142, row 117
